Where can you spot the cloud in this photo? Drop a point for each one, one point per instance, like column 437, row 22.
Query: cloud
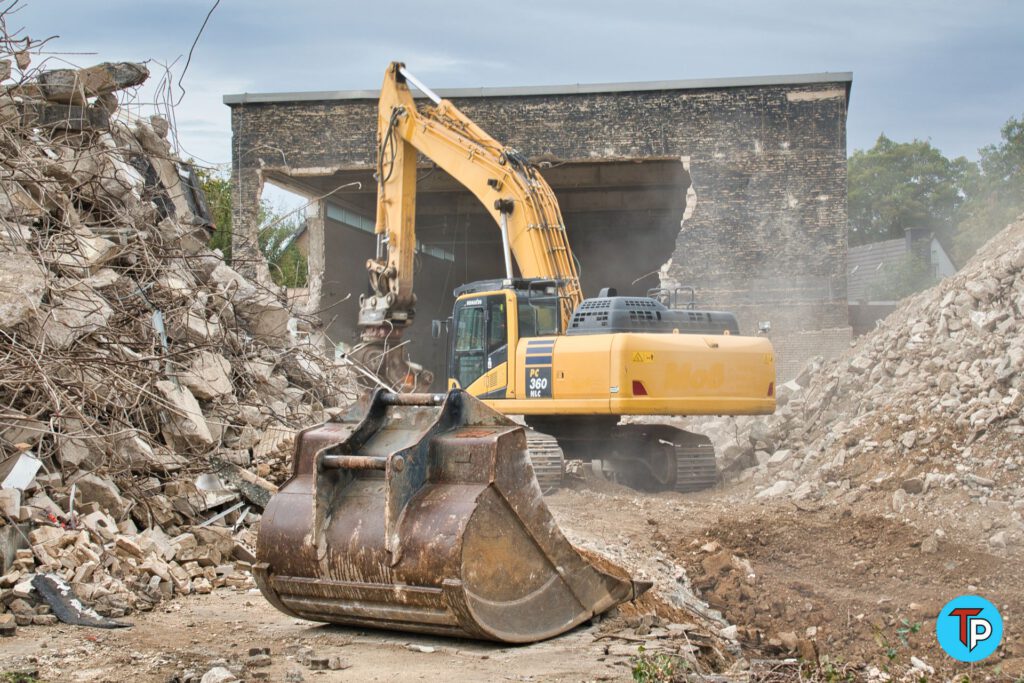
column 920, row 66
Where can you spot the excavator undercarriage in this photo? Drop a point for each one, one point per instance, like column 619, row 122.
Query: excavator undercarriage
column 647, row 457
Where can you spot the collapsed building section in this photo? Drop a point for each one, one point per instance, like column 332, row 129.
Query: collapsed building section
column 148, row 389
column 734, row 186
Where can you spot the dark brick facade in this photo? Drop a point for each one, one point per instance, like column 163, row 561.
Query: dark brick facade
column 765, row 233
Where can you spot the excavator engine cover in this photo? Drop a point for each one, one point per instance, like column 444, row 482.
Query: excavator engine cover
column 425, row 516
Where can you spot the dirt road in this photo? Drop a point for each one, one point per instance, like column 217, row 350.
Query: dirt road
column 850, row 592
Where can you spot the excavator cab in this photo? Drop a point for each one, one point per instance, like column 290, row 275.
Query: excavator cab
column 488, row 320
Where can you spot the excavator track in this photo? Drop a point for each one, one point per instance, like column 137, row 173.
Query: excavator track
column 696, row 468
column 547, row 459
column 651, row 458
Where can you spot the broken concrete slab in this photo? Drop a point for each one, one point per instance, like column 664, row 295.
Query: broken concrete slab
column 63, row 116
column 79, row 312
column 17, row 203
column 208, row 376
column 132, row 449
column 22, row 283
column 183, row 420
column 193, row 326
column 254, row 488
column 82, row 255
column 74, row 86
column 259, row 308
column 261, row 369
column 167, row 173
column 77, row 453
column 18, row 428
column 103, row 492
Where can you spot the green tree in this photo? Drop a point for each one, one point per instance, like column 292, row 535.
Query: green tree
column 288, row 266
column 218, row 197
column 995, row 191
column 898, row 185
column 277, row 238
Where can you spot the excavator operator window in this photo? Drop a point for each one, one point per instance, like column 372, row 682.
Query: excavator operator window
column 538, row 317
column 497, row 331
column 468, row 353
column 481, row 337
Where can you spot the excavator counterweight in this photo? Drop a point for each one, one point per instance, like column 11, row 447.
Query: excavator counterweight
column 426, row 516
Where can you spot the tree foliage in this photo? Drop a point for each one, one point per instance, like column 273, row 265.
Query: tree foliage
column 277, row 239
column 218, row 198
column 897, row 185
column 277, row 234
column 995, row 192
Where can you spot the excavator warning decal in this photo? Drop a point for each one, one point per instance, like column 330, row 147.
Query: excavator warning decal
column 643, row 357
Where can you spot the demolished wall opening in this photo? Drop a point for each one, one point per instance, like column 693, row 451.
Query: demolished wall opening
column 622, row 217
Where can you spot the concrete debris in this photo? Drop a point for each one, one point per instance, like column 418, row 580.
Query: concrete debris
column 218, row 675
column 22, row 283
column 184, row 424
column 135, row 363
column 75, row 86
column 209, row 375
column 924, row 413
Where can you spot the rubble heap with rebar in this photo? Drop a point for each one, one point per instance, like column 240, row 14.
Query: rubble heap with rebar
column 147, row 384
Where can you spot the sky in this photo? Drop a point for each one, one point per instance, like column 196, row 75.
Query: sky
column 944, row 71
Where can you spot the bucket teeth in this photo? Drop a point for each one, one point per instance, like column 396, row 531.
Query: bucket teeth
column 426, row 516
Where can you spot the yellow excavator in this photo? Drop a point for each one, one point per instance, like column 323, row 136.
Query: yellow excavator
column 423, row 512
column 529, row 343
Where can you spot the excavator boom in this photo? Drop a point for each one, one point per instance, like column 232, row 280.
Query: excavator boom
column 519, row 200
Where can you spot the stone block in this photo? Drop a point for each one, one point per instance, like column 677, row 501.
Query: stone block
column 22, row 284
column 102, row 491
column 183, row 420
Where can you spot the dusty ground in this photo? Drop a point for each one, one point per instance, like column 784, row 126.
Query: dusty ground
column 849, row 590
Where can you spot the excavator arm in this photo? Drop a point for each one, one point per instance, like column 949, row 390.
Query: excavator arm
column 509, row 187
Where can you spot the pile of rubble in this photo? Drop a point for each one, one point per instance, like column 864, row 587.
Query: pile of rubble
column 145, row 385
column 927, row 405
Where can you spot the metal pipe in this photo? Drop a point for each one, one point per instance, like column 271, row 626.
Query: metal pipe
column 505, row 245
column 394, row 399
column 353, row 462
column 419, row 86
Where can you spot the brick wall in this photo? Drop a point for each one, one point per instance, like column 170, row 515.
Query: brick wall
column 765, row 236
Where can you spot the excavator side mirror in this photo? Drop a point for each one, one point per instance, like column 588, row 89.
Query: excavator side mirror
column 437, row 327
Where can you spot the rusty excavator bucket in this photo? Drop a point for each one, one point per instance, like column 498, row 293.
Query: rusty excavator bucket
column 426, row 516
